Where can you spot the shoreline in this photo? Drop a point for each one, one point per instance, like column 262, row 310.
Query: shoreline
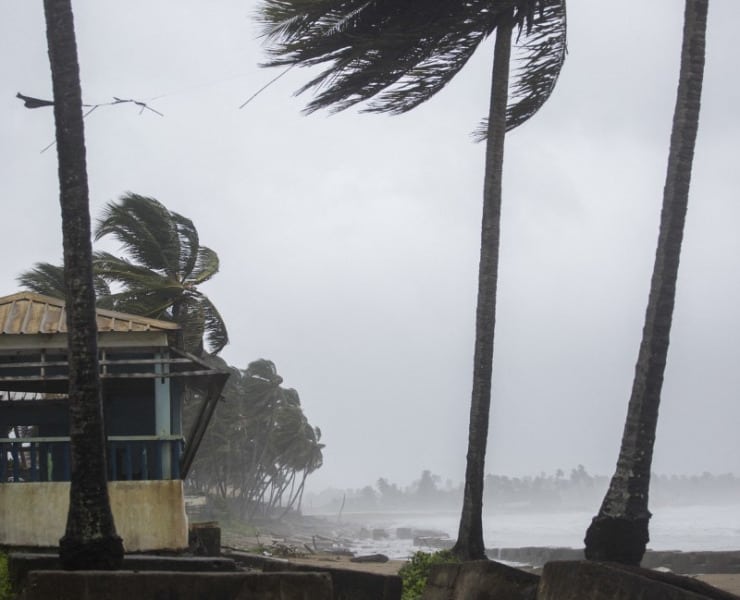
column 321, row 542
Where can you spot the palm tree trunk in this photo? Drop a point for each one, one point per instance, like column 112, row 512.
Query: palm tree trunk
column 90, row 540
column 469, row 545
column 620, row 531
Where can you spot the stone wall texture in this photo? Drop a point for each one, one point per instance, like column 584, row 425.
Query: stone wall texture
column 149, row 515
column 127, row 585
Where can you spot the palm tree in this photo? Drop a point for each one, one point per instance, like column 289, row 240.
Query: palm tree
column 399, row 53
column 620, row 530
column 260, row 448
column 166, row 265
column 90, row 540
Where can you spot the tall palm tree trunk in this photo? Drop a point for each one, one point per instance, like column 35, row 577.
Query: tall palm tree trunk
column 620, row 531
column 90, row 540
column 469, row 545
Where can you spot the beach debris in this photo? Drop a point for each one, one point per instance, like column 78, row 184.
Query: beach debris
column 369, row 558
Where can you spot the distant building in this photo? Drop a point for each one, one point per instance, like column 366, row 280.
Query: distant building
column 143, row 382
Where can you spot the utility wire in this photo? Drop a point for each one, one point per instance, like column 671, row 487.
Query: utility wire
column 264, row 87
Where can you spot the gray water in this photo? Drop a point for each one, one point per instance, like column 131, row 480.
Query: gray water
column 671, row 528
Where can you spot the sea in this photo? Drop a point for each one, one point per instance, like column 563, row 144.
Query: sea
column 683, row 528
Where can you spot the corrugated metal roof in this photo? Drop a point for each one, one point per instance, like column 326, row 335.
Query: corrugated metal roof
column 29, row 313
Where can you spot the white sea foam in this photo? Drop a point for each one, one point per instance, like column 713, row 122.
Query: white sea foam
column 671, row 528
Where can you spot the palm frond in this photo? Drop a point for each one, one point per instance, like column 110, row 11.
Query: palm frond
column 124, row 272
column 205, row 267
column 188, row 245
column 396, row 53
column 44, row 278
column 217, row 336
column 543, row 51
column 545, row 47
column 191, row 317
column 48, row 279
column 147, row 303
column 144, row 229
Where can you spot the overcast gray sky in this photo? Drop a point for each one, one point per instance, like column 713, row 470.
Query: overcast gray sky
column 349, row 243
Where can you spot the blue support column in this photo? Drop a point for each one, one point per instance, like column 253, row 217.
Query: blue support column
column 162, row 408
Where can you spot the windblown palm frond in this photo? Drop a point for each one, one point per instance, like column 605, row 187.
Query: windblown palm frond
column 215, row 328
column 44, row 278
column 47, row 279
column 144, row 229
column 164, row 266
column 204, row 266
column 397, row 54
column 543, row 49
column 187, row 246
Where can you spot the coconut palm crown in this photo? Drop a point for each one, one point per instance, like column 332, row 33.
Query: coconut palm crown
column 164, row 268
column 396, row 54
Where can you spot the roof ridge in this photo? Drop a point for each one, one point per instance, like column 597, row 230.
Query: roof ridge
column 17, row 316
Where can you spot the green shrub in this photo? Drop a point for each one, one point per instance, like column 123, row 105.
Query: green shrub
column 414, row 574
column 5, row 592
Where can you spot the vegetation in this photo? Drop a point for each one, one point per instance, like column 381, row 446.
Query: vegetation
column 165, row 264
column 398, row 54
column 619, row 532
column 6, row 592
column 47, row 279
column 576, row 490
column 158, row 276
column 90, row 540
column 415, row 572
column 259, row 449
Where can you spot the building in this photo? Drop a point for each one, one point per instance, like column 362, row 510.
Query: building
column 144, row 380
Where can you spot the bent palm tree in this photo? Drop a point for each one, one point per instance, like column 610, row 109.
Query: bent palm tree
column 90, row 540
column 620, row 530
column 166, row 266
column 397, row 54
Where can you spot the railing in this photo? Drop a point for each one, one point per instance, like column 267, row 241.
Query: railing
column 130, row 458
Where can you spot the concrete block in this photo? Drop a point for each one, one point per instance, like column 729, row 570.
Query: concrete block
column 479, row 580
column 22, row 563
column 204, row 539
column 125, row 585
column 575, row 580
column 348, row 584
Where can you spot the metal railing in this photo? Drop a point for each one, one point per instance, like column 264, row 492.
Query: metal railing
column 130, row 458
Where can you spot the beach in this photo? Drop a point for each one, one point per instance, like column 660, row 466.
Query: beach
column 331, row 542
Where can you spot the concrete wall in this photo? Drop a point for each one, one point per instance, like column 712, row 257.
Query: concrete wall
column 127, row 585
column 149, row 515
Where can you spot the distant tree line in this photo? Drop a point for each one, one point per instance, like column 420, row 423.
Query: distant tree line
column 578, row 490
column 259, row 448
